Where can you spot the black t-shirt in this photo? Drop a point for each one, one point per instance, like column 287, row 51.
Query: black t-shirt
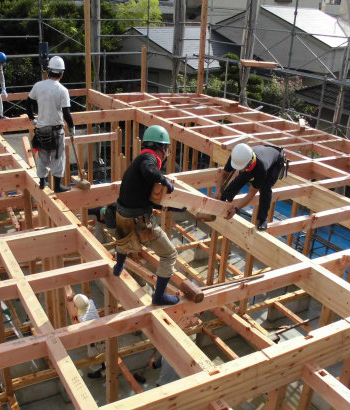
column 138, row 181
column 267, row 157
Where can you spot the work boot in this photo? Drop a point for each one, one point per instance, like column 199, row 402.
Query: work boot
column 118, row 267
column 95, row 375
column 160, row 297
column 262, row 225
column 58, row 187
column 43, row 183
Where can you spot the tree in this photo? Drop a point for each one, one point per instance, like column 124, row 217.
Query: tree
column 135, row 13
column 254, row 85
column 63, row 29
column 278, row 93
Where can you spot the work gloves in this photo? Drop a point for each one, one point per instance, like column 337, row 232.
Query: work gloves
column 3, row 92
column 71, row 132
column 169, row 186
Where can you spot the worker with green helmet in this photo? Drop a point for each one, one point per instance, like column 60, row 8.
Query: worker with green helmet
column 3, row 92
column 136, row 224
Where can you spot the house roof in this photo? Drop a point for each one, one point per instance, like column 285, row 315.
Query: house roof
column 315, row 22
column 163, row 37
column 313, row 95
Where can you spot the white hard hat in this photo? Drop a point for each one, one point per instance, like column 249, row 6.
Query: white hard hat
column 81, row 302
column 56, row 64
column 240, row 156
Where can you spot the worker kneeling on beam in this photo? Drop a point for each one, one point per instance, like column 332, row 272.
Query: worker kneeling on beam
column 136, row 223
column 261, row 166
column 53, row 106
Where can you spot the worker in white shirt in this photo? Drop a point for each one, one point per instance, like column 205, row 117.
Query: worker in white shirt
column 86, row 310
column 3, row 92
column 53, row 107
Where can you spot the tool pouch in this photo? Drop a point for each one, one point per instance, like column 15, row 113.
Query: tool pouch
column 126, row 239
column 144, row 226
column 284, row 163
column 47, row 138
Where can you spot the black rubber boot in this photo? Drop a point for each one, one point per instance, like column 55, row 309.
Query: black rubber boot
column 58, row 187
column 43, row 183
column 95, row 375
column 160, row 297
column 118, row 267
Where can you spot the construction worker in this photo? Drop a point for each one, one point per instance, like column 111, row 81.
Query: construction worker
column 86, row 310
column 167, row 373
column 3, row 59
column 136, row 223
column 53, row 106
column 260, row 165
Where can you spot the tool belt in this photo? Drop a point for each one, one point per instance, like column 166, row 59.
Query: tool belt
column 132, row 232
column 126, row 239
column 47, row 138
column 283, row 162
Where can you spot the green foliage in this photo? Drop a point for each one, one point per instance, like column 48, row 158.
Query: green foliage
column 137, row 10
column 63, row 29
column 279, row 93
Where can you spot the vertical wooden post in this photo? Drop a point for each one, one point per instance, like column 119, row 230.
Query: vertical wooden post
column 90, row 158
column 46, row 264
column 170, row 166
column 87, row 44
column 29, row 222
column 249, row 263
column 204, row 17
column 116, row 148
column 144, row 69
column 275, row 399
column 60, row 297
column 305, row 398
column 211, row 165
column 127, row 141
column 111, row 306
column 6, row 372
column 185, row 158
column 212, row 257
column 307, row 243
column 66, row 176
column 294, row 213
column 271, row 212
column 225, row 248
column 194, row 159
column 136, row 149
column 167, row 222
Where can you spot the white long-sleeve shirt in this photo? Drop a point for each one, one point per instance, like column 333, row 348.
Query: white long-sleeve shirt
column 2, row 77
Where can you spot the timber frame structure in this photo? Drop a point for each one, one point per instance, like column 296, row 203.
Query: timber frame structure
column 52, row 232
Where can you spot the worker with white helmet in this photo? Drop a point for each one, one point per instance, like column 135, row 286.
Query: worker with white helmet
column 53, row 107
column 3, row 92
column 86, row 310
column 261, row 166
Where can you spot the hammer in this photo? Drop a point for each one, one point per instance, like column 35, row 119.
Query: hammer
column 192, row 291
column 80, row 183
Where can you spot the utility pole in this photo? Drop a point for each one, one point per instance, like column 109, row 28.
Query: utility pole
column 96, row 41
column 247, row 49
column 203, row 37
column 179, row 33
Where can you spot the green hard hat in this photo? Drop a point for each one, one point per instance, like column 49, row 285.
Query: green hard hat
column 156, row 133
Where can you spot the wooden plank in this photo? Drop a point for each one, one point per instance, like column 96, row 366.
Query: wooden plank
column 256, row 63
column 331, row 389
